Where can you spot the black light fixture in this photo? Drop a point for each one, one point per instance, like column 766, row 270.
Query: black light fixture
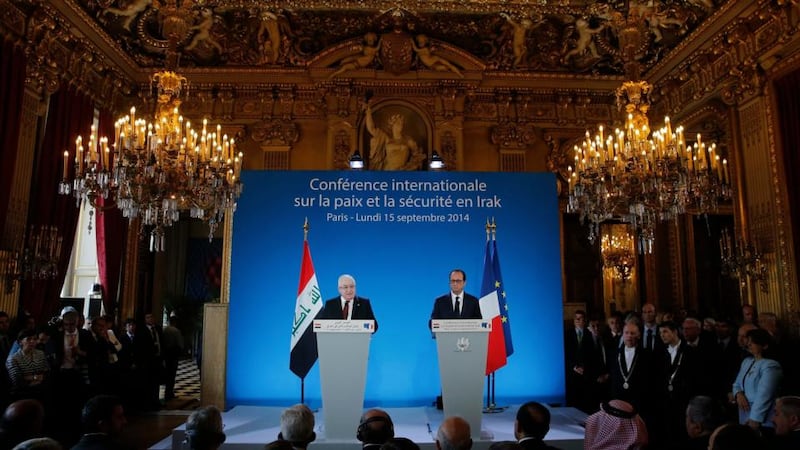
column 436, row 162
column 356, row 163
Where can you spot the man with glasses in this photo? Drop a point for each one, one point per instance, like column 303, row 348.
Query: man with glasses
column 457, row 304
column 348, row 306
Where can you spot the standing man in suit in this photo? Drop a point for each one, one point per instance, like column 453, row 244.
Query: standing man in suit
column 580, row 364
column 348, row 306
column 457, row 304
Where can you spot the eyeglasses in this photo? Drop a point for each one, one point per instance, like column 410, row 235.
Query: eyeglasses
column 456, row 281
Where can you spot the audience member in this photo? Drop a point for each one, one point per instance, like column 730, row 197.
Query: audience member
column 756, row 385
column 39, row 444
column 22, row 420
column 702, row 418
column 103, row 420
column 28, row 369
column 374, row 429
column 616, row 426
column 454, row 434
column 279, row 444
column 733, row 436
column 204, row 429
column 297, row 426
column 787, row 423
column 650, row 338
column 173, row 350
column 399, row 443
column 531, row 426
column 579, row 364
column 505, row 445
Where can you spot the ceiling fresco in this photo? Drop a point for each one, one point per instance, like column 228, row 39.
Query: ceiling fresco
column 548, row 36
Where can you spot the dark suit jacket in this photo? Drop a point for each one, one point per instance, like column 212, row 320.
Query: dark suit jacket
column 362, row 310
column 55, row 346
column 535, row 444
column 443, row 307
column 640, row 377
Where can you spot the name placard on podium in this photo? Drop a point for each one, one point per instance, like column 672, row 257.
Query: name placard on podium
column 343, row 347
column 462, row 345
column 344, row 326
column 460, row 325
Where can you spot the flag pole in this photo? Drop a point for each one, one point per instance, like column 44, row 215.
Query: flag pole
column 306, row 227
column 491, row 401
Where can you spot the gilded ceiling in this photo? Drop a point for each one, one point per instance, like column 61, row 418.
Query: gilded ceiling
column 547, row 36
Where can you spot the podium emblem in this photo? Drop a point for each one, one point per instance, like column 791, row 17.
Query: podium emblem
column 462, row 344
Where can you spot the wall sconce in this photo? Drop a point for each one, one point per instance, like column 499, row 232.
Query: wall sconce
column 742, row 261
column 39, row 259
column 436, row 162
column 356, row 162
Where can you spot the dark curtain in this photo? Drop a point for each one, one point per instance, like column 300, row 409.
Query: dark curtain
column 69, row 114
column 787, row 90
column 12, row 86
column 111, row 235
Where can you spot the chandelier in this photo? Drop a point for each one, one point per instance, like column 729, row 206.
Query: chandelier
column 638, row 177
column 154, row 170
column 618, row 254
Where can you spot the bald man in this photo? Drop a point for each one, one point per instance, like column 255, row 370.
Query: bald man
column 375, row 429
column 454, row 434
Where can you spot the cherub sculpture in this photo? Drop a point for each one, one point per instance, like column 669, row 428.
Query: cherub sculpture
column 434, row 62
column 129, row 12
column 368, row 51
column 204, row 31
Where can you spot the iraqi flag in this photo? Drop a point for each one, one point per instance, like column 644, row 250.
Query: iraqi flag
column 309, row 303
column 490, row 310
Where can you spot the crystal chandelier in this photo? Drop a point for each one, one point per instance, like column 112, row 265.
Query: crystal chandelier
column 618, row 254
column 39, row 258
column 155, row 170
column 742, row 261
column 636, row 176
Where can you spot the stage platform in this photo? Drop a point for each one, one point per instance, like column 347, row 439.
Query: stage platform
column 250, row 427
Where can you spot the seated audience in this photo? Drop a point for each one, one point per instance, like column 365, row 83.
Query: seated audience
column 454, row 434
column 204, row 429
column 39, row 444
column 22, row 420
column 103, row 420
column 616, row 426
column 505, row 445
column 374, row 429
column 399, row 443
column 734, row 436
column 787, row 423
column 531, row 426
column 279, row 444
column 28, row 369
column 702, row 418
column 297, row 426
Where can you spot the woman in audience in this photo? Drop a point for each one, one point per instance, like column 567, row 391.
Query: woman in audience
column 28, row 368
column 756, row 385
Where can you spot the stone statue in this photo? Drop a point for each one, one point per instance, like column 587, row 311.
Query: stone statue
column 204, row 31
column 393, row 150
column 518, row 37
column 130, row 12
column 434, row 62
column 269, row 37
column 585, row 39
column 368, row 51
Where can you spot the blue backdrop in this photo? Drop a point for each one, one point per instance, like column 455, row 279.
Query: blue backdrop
column 398, row 234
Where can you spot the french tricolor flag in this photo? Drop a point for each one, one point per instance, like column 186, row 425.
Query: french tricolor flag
column 494, row 308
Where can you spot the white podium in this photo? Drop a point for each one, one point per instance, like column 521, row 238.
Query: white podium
column 462, row 345
column 343, row 347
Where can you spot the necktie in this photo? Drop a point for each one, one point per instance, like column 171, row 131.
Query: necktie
column 650, row 339
column 458, row 307
column 346, row 309
column 580, row 335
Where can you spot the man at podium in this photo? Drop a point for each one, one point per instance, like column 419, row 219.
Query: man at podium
column 347, row 306
column 457, row 304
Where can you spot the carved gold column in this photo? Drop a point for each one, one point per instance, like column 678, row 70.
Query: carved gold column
column 13, row 238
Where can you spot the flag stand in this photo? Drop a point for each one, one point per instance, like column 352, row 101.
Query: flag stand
column 491, row 407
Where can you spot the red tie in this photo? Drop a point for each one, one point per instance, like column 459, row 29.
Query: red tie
column 346, row 309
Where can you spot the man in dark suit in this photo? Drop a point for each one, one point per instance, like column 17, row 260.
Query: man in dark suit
column 456, row 304
column 348, row 306
column 580, row 364
column 679, row 379
column 531, row 426
column 787, row 423
column 631, row 377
